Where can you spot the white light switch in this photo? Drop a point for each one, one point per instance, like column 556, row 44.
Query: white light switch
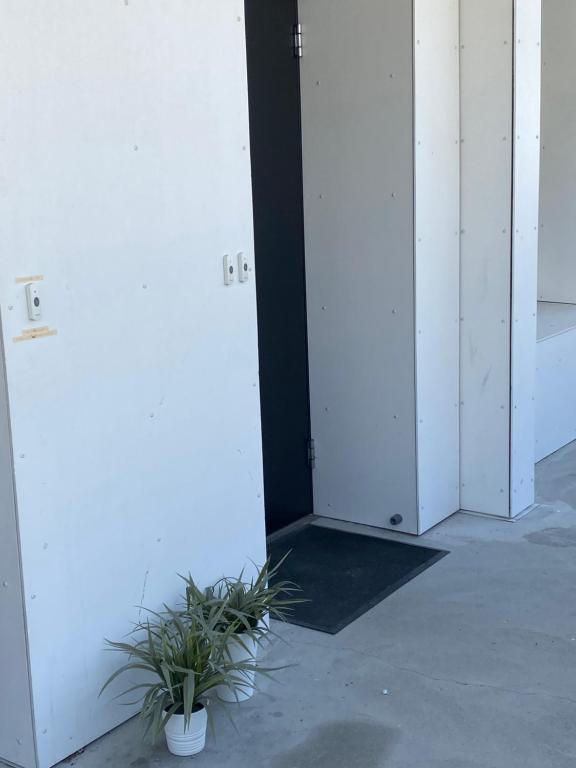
column 229, row 270
column 33, row 301
column 243, row 268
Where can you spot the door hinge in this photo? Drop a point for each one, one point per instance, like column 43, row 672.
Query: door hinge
column 297, row 41
column 312, row 453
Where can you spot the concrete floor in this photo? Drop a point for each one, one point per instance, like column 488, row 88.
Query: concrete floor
column 471, row 665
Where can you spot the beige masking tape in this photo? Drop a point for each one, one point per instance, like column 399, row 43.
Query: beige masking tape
column 30, row 279
column 34, row 333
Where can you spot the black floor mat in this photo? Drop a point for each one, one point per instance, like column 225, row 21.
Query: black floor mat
column 343, row 574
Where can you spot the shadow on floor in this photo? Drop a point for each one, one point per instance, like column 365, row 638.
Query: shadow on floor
column 341, row 744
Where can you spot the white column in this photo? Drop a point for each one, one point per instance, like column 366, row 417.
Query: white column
column 500, row 102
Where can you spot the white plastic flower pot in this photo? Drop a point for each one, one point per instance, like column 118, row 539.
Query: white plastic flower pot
column 184, row 741
column 241, row 649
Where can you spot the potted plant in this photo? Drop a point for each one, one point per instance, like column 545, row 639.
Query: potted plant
column 246, row 609
column 180, row 659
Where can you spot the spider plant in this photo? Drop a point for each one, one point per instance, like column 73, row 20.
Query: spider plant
column 182, row 658
column 246, row 605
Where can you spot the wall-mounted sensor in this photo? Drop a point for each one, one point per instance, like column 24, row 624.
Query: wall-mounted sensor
column 33, row 301
column 243, row 268
column 229, row 270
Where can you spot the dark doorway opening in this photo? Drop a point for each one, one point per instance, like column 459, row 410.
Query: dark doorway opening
column 276, row 149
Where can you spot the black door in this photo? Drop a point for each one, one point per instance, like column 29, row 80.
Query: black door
column 276, row 146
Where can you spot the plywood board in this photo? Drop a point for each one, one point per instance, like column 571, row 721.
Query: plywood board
column 437, row 257
column 357, row 116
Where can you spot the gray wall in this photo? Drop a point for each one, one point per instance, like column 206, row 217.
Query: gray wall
column 557, row 261
column 382, row 302
column 357, row 113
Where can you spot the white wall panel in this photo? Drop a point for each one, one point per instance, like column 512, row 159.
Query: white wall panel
column 486, row 103
column 557, row 267
column 125, row 178
column 555, row 388
column 437, row 256
column 527, row 89
column 555, row 318
column 357, row 114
